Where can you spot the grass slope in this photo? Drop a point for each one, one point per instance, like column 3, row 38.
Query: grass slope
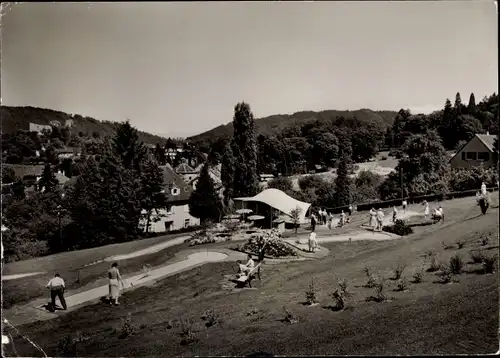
column 275, row 123
column 430, row 318
column 14, row 118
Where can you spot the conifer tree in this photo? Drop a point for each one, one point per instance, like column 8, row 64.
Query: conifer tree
column 48, row 182
column 128, row 147
column 204, row 202
column 151, row 195
column 471, row 108
column 227, row 173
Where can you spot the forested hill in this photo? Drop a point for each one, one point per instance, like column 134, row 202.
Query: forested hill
column 19, row 118
column 276, row 123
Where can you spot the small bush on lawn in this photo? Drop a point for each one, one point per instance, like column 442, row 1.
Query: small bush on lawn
column 446, row 246
column 460, row 244
column 402, row 285
column 418, row 276
column 290, row 317
column 339, row 298
column 456, row 265
column 380, row 295
column 187, row 334
column 400, row 227
column 446, row 275
column 210, row 318
column 311, row 294
column 128, row 328
column 398, row 271
column 343, row 287
column 477, row 257
column 435, row 265
column 489, row 264
column 484, row 240
column 372, row 282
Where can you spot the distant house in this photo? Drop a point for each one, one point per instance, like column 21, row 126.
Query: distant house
column 66, row 153
column 186, row 172
column 172, row 152
column 265, row 177
column 177, row 215
column 479, row 151
column 39, row 128
column 30, row 174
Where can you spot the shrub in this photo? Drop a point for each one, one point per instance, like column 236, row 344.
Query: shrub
column 400, row 227
column 371, row 278
column 460, row 243
column 398, row 271
column 477, row 257
column 311, row 294
column 210, row 318
column 418, row 276
column 380, row 295
column 66, row 346
column 383, row 157
column 489, row 263
column 435, row 264
column 484, row 240
column 338, row 296
column 343, row 287
column 446, row 275
column 446, row 246
column 275, row 246
column 290, row 317
column 456, row 265
column 187, row 334
column 128, row 328
column 402, row 284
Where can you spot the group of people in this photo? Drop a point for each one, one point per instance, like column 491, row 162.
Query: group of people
column 57, row 288
column 326, row 218
column 377, row 218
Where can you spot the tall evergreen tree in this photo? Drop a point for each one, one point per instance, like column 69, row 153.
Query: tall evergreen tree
column 343, row 184
column 458, row 105
column 244, row 145
column 227, row 173
column 151, row 195
column 204, row 202
column 471, row 108
column 160, row 154
column 48, row 182
column 128, row 147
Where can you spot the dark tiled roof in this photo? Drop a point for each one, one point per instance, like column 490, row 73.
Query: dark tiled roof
column 170, row 178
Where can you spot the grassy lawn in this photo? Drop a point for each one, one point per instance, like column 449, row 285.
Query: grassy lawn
column 430, row 318
column 68, row 264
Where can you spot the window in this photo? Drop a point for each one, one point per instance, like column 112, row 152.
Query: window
column 175, row 191
column 463, row 155
column 471, row 156
column 483, row 156
column 186, row 222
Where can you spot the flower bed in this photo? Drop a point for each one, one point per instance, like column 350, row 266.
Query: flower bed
column 275, row 246
column 206, row 237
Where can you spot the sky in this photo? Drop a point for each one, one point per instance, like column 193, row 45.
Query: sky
column 178, row 69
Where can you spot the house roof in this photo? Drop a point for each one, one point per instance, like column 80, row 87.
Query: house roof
column 24, row 170
column 280, row 201
column 488, row 140
column 183, row 168
column 170, row 177
column 65, row 150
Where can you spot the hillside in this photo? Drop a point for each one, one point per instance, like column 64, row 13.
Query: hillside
column 14, row 118
column 275, row 123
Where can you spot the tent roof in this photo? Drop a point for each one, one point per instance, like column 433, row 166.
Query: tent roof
column 280, row 201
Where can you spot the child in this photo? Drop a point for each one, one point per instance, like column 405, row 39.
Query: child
column 313, row 242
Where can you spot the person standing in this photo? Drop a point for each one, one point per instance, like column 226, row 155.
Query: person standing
column 350, row 209
column 313, row 242
column 57, row 287
column 426, row 210
column 342, row 218
column 404, row 205
column 373, row 219
column 330, row 220
column 324, row 216
column 115, row 280
column 313, row 222
column 380, row 219
column 394, row 214
column 483, row 189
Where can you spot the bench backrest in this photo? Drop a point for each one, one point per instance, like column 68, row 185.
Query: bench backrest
column 254, row 269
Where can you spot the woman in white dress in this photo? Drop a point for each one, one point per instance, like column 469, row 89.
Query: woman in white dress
column 373, row 218
column 313, row 242
column 426, row 211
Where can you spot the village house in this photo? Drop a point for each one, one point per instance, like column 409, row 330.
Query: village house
column 214, row 172
column 186, row 172
column 479, row 151
column 66, row 153
column 39, row 128
column 176, row 216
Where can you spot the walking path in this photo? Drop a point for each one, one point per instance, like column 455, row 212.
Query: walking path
column 20, row 275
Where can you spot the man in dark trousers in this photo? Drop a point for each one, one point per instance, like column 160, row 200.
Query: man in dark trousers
column 56, row 286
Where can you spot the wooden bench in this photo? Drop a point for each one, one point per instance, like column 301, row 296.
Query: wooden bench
column 250, row 276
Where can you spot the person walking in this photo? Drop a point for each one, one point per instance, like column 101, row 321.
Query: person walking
column 350, row 209
column 373, row 219
column 57, row 287
column 115, row 280
column 313, row 222
column 330, row 220
column 426, row 210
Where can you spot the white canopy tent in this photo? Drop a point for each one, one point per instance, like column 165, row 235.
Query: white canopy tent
column 280, row 201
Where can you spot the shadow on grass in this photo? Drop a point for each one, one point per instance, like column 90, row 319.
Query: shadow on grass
column 336, row 309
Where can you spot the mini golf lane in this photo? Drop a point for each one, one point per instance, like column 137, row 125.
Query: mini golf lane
column 134, row 281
